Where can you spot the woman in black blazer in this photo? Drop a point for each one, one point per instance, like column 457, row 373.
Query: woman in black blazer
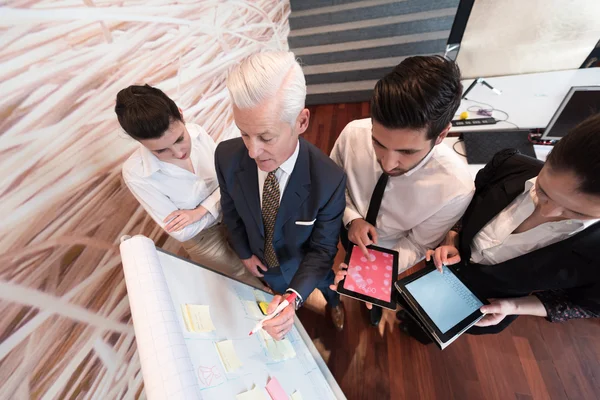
column 530, row 236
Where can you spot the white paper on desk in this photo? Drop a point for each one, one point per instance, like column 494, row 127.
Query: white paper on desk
column 166, row 366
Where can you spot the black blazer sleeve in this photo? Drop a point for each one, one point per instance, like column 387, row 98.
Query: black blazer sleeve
column 235, row 226
column 318, row 261
column 564, row 275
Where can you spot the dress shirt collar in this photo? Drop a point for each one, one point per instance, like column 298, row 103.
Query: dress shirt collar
column 152, row 164
column 288, row 165
column 529, row 184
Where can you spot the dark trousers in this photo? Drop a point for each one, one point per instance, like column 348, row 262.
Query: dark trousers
column 277, row 282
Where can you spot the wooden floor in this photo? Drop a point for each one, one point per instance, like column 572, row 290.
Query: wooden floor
column 533, row 359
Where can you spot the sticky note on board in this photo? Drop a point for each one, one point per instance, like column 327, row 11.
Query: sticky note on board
column 228, row 356
column 278, row 350
column 253, row 310
column 254, row 394
column 197, row 318
column 259, row 296
column 286, row 348
column 264, row 306
column 296, row 396
column 275, row 390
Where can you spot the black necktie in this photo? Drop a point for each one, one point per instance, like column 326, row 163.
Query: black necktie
column 376, row 198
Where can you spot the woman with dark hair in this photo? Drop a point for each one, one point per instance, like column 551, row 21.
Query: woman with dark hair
column 172, row 175
column 528, row 241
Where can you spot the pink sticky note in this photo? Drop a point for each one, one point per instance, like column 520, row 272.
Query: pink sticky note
column 275, row 390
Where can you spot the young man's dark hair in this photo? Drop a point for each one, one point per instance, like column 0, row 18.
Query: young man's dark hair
column 421, row 92
column 145, row 112
column 579, row 152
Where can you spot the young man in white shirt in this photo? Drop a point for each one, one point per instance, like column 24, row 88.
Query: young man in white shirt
column 172, row 175
column 405, row 189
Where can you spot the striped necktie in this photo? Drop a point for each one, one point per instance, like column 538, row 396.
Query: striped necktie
column 270, row 207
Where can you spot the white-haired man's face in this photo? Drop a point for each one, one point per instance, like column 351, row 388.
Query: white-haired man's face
column 269, row 140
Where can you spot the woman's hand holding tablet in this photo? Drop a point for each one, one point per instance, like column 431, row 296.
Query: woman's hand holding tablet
column 442, row 303
column 443, row 255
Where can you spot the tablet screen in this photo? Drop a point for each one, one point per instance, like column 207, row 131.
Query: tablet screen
column 445, row 299
column 370, row 277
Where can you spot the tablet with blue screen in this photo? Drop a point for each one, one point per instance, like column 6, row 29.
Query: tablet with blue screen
column 445, row 306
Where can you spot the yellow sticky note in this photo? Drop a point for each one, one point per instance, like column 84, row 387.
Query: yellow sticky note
column 254, row 394
column 296, row 396
column 273, row 351
column 278, row 350
column 264, row 306
column 286, row 349
column 228, row 356
column 253, row 310
column 197, row 318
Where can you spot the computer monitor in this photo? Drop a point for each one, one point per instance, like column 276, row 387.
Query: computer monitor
column 578, row 104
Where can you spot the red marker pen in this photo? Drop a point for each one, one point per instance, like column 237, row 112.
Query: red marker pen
column 286, row 302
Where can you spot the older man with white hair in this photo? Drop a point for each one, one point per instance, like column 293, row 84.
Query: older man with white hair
column 282, row 198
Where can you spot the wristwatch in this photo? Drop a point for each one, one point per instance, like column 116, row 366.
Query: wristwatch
column 297, row 301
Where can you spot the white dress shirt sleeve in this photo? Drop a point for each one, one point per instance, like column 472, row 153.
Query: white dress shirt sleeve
column 338, row 156
column 213, row 203
column 350, row 213
column 158, row 206
column 428, row 234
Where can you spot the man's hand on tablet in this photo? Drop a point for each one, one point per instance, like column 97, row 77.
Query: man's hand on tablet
column 362, row 234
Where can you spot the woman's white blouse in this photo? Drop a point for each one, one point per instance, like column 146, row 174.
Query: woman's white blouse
column 162, row 187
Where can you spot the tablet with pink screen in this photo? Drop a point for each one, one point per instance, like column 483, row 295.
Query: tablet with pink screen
column 372, row 278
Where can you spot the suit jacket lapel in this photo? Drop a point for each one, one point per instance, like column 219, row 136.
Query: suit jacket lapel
column 248, row 180
column 490, row 205
column 296, row 191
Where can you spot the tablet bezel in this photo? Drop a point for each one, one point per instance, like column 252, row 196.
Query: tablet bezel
column 359, row 296
column 456, row 329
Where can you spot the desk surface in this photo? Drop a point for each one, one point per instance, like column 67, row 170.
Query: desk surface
column 541, row 153
column 179, row 364
column 530, row 99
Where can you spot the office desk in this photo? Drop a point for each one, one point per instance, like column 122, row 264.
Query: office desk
column 541, row 153
column 530, row 100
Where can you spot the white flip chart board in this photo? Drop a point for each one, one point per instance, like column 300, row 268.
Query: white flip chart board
column 179, row 364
